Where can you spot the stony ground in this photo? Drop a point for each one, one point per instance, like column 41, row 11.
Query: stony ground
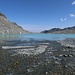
column 44, row 58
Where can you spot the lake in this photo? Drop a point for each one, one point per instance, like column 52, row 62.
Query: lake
column 36, row 36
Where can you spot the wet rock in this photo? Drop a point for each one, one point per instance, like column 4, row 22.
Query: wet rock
column 30, row 70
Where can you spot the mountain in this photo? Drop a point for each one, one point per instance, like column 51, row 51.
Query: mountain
column 7, row 27
column 68, row 30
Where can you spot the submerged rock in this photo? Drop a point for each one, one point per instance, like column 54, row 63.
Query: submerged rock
column 69, row 43
column 31, row 51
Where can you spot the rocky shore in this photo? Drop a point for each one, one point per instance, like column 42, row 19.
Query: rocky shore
column 37, row 57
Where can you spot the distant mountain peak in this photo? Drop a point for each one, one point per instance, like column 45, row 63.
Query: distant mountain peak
column 68, row 30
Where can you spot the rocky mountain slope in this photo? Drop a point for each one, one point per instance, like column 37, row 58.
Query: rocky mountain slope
column 7, row 27
column 68, row 30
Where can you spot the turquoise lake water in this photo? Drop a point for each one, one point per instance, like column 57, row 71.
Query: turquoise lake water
column 36, row 36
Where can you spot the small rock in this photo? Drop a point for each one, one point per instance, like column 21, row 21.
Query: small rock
column 46, row 73
column 30, row 70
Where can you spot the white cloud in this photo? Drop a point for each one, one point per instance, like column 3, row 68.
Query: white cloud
column 63, row 19
column 73, row 3
column 72, row 15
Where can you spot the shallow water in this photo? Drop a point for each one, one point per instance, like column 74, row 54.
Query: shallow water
column 36, row 36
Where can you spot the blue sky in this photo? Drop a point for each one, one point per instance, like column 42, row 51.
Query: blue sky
column 38, row 15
